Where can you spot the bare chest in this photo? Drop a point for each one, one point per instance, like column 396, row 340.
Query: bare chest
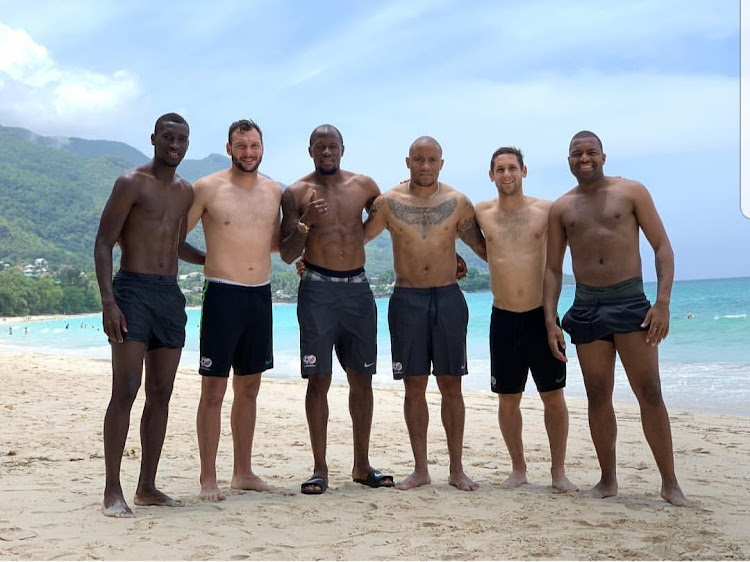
column 598, row 216
column 235, row 208
column 410, row 220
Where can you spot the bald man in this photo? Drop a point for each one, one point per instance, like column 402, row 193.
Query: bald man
column 427, row 312
column 322, row 216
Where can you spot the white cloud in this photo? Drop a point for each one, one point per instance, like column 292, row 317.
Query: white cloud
column 37, row 91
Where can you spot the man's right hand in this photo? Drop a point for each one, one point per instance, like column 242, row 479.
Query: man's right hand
column 461, row 269
column 556, row 341
column 300, row 266
column 114, row 323
column 315, row 209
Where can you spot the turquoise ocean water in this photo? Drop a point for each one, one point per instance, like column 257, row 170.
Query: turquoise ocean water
column 705, row 361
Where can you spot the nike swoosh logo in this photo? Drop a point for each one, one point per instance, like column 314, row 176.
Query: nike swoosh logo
column 269, row 361
column 562, row 378
column 369, row 364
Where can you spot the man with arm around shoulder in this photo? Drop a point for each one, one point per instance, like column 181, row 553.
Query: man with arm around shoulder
column 515, row 229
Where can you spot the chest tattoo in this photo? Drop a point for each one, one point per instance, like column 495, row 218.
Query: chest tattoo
column 422, row 217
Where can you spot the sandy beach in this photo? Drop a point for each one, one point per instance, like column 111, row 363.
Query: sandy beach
column 52, row 474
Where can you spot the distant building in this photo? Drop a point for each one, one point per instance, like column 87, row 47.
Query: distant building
column 36, row 269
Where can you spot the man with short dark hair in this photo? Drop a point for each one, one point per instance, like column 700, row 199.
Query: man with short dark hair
column 239, row 211
column 143, row 309
column 515, row 228
column 601, row 219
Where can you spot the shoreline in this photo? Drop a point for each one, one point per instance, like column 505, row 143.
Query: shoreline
column 53, row 475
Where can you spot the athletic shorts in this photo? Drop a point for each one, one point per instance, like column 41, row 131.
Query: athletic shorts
column 518, row 342
column 598, row 313
column 236, row 329
column 154, row 308
column 428, row 326
column 336, row 310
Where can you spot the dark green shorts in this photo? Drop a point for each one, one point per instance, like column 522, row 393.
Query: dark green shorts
column 598, row 313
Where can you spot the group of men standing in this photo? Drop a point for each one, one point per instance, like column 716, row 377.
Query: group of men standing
column 523, row 239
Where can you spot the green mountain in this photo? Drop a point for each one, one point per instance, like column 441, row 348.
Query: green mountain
column 53, row 189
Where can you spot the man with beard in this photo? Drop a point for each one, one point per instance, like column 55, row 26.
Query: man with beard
column 239, row 211
column 601, row 219
column 427, row 313
column 143, row 309
column 335, row 306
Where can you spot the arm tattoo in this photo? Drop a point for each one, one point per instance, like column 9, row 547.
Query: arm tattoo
column 424, row 217
column 470, row 233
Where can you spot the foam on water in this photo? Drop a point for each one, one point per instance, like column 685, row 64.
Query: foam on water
column 704, row 363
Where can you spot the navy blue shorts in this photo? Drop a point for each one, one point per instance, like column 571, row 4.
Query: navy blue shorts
column 428, row 326
column 154, row 308
column 336, row 312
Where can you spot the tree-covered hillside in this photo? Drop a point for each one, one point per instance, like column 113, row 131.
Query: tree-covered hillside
column 52, row 192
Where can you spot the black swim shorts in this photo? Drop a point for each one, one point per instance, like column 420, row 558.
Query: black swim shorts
column 598, row 313
column 336, row 309
column 428, row 326
column 236, row 329
column 518, row 342
column 154, row 308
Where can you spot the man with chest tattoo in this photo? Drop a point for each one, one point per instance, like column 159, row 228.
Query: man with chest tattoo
column 427, row 313
column 322, row 216
column 601, row 219
column 515, row 230
column 239, row 211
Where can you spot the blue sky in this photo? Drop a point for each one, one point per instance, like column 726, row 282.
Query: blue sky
column 658, row 80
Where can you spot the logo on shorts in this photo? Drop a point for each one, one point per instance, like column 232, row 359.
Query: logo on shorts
column 309, row 360
column 368, row 365
column 562, row 378
column 206, row 362
column 397, row 367
column 493, row 382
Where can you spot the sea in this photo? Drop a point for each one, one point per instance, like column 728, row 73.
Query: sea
column 704, row 362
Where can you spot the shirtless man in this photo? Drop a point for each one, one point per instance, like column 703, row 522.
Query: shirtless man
column 600, row 219
column 143, row 309
column 515, row 229
column 323, row 216
column 239, row 211
column 427, row 313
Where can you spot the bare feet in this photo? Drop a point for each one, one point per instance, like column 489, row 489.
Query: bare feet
column 673, row 494
column 211, row 493
column 562, row 484
column 603, row 489
column 251, row 482
column 462, row 482
column 414, row 480
column 155, row 497
column 116, row 506
column 515, row 479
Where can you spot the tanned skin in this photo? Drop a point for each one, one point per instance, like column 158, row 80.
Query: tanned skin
column 239, row 211
column 425, row 217
column 146, row 214
column 330, row 201
column 515, row 231
column 600, row 219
